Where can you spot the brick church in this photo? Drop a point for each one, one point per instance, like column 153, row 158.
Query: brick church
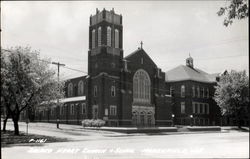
column 132, row 90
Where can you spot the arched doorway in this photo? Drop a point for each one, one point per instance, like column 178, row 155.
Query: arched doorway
column 149, row 119
column 142, row 119
column 135, row 118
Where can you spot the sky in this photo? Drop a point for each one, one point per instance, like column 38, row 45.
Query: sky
column 169, row 30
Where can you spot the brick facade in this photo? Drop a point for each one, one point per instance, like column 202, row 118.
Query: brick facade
column 112, row 91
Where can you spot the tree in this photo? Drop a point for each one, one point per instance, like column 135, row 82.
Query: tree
column 232, row 94
column 27, row 81
column 236, row 9
column 4, row 93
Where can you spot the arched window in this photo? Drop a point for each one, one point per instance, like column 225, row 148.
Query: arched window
column 141, row 87
column 80, row 88
column 112, row 91
column 99, row 36
column 116, row 38
column 70, row 90
column 108, row 36
column 93, row 38
column 182, row 91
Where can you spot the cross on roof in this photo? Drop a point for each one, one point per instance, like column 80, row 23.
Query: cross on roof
column 141, row 44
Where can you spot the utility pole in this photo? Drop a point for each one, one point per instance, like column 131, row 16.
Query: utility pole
column 58, row 72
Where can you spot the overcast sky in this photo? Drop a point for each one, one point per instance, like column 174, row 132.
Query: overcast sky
column 169, row 30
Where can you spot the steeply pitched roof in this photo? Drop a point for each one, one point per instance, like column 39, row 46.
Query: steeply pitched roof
column 134, row 52
column 142, row 52
column 182, row 73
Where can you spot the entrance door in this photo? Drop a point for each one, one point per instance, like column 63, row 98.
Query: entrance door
column 142, row 119
column 95, row 112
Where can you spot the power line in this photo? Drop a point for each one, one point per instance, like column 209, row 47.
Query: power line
column 122, row 82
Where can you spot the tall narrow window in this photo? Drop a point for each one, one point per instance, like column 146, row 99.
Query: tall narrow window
column 83, row 108
column 113, row 110
column 112, row 91
column 207, row 93
column 182, row 91
column 201, row 108
column 108, row 36
column 202, row 91
column 141, row 60
column 99, row 36
column 93, row 38
column 196, row 107
column 70, row 90
column 95, row 111
column 193, row 91
column 207, row 108
column 204, row 108
column 116, row 38
column 95, row 91
column 72, row 109
column 80, row 88
column 198, row 110
column 182, row 107
column 198, row 92
column 65, row 110
column 193, row 104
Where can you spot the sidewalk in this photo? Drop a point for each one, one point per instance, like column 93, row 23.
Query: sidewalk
column 77, row 132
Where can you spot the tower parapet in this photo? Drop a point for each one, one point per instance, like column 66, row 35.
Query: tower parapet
column 105, row 15
column 105, row 42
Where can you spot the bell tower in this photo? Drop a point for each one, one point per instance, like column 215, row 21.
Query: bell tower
column 190, row 62
column 105, row 60
column 105, row 43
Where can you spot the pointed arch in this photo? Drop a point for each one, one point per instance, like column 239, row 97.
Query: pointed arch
column 141, row 87
column 80, row 88
column 70, row 90
column 93, row 38
column 109, row 36
column 99, row 36
column 116, row 38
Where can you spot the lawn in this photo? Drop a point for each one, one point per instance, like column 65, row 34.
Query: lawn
column 8, row 139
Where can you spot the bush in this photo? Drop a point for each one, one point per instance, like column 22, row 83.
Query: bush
column 93, row 123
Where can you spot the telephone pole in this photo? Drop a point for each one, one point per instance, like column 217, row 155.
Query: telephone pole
column 58, row 72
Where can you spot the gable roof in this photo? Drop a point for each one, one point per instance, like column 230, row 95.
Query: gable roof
column 182, row 73
column 134, row 52
column 139, row 50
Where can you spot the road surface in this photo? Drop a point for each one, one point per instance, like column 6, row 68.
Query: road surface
column 98, row 144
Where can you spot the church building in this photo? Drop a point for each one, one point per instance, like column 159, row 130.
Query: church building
column 131, row 90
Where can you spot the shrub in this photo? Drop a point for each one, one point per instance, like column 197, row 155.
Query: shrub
column 93, row 123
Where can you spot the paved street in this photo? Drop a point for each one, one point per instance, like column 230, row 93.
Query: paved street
column 86, row 144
